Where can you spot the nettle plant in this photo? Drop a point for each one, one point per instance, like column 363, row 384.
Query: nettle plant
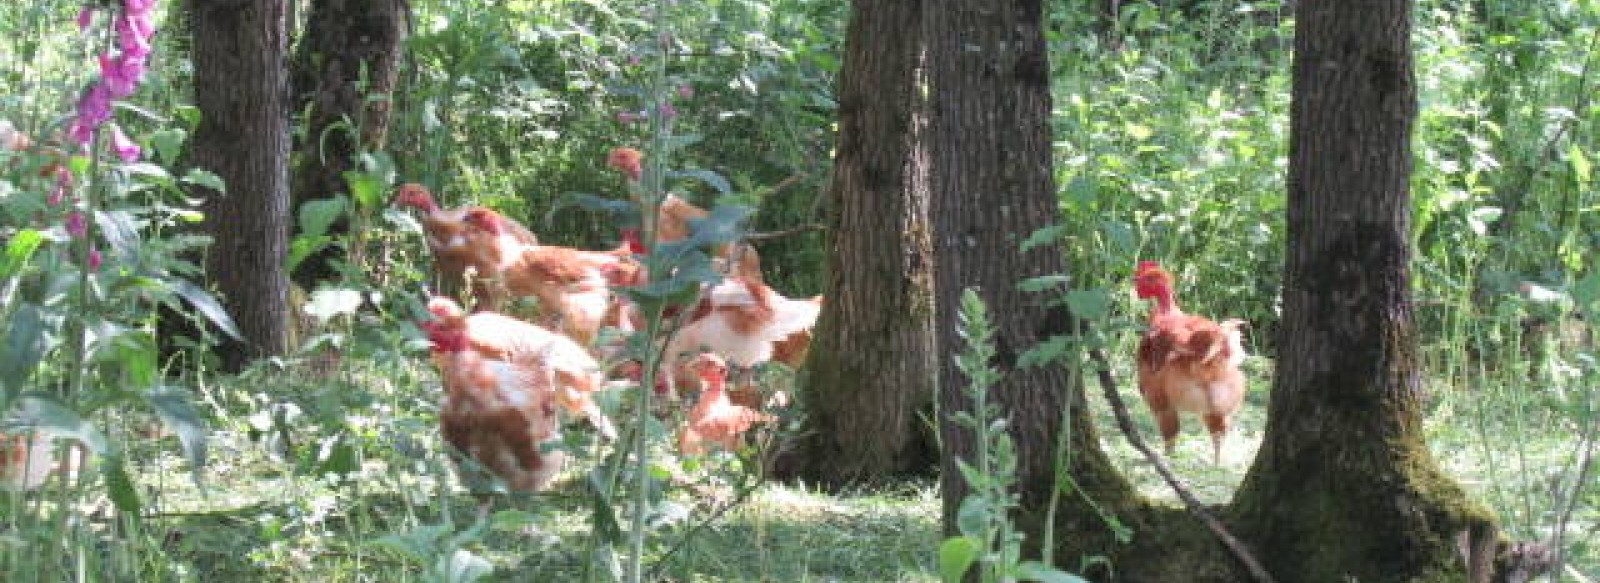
column 91, row 246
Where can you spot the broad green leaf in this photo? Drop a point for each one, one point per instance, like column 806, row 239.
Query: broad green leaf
column 208, row 306
column 956, row 555
column 207, row 179
column 118, row 229
column 1044, row 236
column 325, row 304
column 712, row 179
column 19, row 250
column 30, row 333
column 47, row 415
column 303, row 246
column 168, row 144
column 1044, row 353
column 972, row 517
column 380, row 166
column 316, row 216
column 1586, row 294
column 1036, row 571
column 1089, row 304
column 721, row 226
column 365, row 188
column 176, row 408
column 146, row 169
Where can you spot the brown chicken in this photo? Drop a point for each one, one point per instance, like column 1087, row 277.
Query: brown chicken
column 740, row 320
column 575, row 374
column 572, row 285
column 1187, row 363
column 498, row 411
column 447, row 238
column 26, row 461
column 714, row 419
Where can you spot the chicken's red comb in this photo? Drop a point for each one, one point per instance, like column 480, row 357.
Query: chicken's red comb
column 442, row 307
column 485, row 219
column 1148, row 267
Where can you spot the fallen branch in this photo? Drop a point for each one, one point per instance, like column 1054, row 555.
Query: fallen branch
column 1125, row 423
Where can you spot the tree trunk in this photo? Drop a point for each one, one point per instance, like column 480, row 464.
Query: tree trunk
column 992, row 186
column 241, row 90
column 1344, row 488
column 344, row 71
column 871, row 371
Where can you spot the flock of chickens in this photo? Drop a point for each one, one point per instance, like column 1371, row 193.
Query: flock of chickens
column 508, row 382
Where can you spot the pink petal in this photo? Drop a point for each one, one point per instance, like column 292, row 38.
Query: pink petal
column 125, row 148
column 85, row 18
column 95, row 260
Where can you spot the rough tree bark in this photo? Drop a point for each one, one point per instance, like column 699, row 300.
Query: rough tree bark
column 1344, row 487
column 870, row 372
column 992, row 186
column 344, row 68
column 241, row 89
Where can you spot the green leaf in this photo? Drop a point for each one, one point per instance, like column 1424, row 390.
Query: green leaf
column 1089, row 304
column 1044, row 236
column 365, row 188
column 1586, row 294
column 1044, row 353
column 973, row 516
column 208, row 306
column 1043, row 282
column 956, row 555
column 176, row 409
column 206, row 179
column 316, row 216
column 721, row 226
column 303, row 246
column 119, row 485
column 19, row 250
column 325, row 304
column 118, row 230
column 1036, row 571
column 168, row 144
column 710, row 178
column 31, row 333
column 1581, row 167
column 146, row 169
column 47, row 415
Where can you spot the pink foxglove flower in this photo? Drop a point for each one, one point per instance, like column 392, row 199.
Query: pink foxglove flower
column 77, row 227
column 63, row 186
column 125, row 148
column 95, row 259
column 85, row 18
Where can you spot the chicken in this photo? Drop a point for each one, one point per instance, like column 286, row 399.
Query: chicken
column 1187, row 364
column 740, row 320
column 26, row 461
column 572, row 285
column 497, row 410
column 446, row 235
column 575, row 375
column 714, row 419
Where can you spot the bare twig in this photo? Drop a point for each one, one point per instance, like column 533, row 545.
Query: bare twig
column 806, row 228
column 1125, row 423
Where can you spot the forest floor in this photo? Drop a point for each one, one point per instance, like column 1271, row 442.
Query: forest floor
column 402, row 513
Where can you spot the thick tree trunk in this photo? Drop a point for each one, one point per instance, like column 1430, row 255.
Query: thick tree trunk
column 992, row 186
column 871, row 371
column 241, row 90
column 344, row 70
column 1344, row 487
